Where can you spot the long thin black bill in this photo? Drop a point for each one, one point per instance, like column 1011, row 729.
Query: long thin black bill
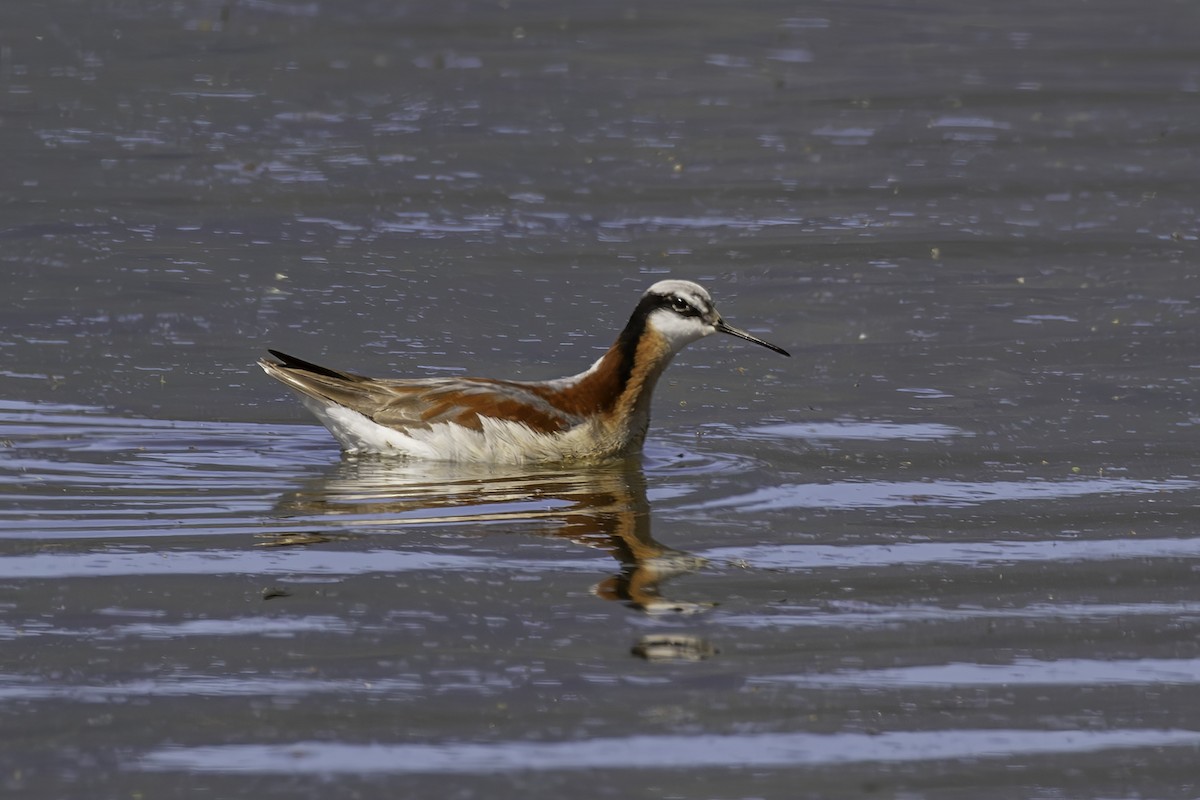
column 725, row 327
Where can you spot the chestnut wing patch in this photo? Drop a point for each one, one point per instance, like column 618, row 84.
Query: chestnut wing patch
column 464, row 401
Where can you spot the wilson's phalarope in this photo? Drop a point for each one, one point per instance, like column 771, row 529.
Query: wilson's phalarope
column 601, row 413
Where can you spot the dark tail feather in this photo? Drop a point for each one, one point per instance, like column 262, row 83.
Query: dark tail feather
column 291, row 362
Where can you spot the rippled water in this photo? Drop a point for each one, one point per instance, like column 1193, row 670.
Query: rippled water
column 242, row 575
column 947, row 550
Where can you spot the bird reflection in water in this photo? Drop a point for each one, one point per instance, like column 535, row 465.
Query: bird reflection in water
column 603, row 507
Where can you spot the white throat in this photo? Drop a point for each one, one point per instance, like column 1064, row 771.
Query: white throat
column 678, row 331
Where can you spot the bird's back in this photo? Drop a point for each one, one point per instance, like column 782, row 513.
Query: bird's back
column 454, row 419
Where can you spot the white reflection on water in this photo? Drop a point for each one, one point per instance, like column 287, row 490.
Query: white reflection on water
column 277, row 562
column 699, row 223
column 952, row 494
column 854, row 615
column 277, row 627
column 820, row 556
column 653, row 752
column 776, row 557
column 20, row 688
column 873, row 431
column 1022, row 672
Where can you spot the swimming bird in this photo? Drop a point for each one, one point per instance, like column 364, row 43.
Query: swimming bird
column 601, row 413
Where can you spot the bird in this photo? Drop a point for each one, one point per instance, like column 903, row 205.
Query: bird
column 599, row 414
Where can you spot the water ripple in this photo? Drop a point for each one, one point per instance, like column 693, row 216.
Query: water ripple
column 975, row 554
column 652, row 752
column 858, row 615
column 868, row 430
column 272, row 562
column 951, row 494
column 1022, row 672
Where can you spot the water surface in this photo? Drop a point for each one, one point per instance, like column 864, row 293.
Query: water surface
column 948, row 549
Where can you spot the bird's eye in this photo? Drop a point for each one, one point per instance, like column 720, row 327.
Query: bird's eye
column 681, row 306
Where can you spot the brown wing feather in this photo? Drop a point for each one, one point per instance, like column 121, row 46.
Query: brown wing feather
column 423, row 402
column 465, row 400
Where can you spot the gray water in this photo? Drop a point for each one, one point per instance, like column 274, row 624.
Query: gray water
column 947, row 550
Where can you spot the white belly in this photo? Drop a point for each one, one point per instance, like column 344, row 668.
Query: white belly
column 499, row 441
